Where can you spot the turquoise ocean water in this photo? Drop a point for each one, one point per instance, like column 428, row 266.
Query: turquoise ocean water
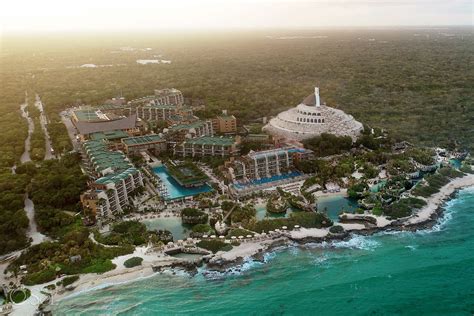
column 400, row 273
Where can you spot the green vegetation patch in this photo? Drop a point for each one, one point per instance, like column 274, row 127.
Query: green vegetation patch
column 133, row 262
column 243, row 214
column 186, row 173
column 73, row 254
column 303, row 219
column 127, row 232
column 403, row 207
column 434, row 182
column 69, row 280
column 239, row 232
column 328, row 144
column 203, row 228
column 18, row 295
column 214, row 245
column 193, row 216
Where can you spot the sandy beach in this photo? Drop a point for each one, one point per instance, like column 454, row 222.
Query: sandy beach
column 437, row 199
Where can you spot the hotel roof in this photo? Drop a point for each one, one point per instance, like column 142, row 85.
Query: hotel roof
column 109, row 135
column 211, row 140
column 87, row 115
column 274, row 152
column 102, row 158
column 116, row 177
column 196, row 124
column 86, row 128
column 226, row 117
column 139, row 140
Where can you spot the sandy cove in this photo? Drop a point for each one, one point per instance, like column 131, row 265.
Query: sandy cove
column 248, row 249
column 436, row 200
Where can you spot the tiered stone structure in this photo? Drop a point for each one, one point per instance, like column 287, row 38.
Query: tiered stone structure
column 311, row 118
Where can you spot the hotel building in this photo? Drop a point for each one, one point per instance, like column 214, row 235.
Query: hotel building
column 265, row 164
column 115, row 178
column 225, row 124
column 208, row 146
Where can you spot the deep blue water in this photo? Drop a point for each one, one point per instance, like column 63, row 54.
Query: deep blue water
column 401, row 273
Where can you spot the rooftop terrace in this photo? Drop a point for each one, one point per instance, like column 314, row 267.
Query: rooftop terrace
column 87, row 115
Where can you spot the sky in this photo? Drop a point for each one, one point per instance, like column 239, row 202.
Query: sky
column 131, row 15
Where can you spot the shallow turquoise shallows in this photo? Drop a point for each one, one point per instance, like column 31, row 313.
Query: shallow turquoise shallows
column 175, row 190
column 400, row 273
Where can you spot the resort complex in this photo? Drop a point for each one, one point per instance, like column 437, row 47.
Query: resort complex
column 311, row 118
column 163, row 188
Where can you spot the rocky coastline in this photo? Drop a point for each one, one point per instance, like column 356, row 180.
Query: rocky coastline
column 255, row 250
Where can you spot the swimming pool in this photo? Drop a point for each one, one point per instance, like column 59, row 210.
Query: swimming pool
column 175, row 190
column 267, row 180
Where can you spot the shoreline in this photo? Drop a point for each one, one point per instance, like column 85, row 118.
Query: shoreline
column 256, row 248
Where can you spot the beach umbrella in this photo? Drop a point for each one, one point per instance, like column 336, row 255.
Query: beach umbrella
column 221, row 237
column 189, row 239
column 297, row 226
column 205, row 236
column 213, row 236
column 170, row 243
column 249, row 236
column 233, row 237
column 241, row 237
column 277, row 230
column 264, row 234
column 284, row 227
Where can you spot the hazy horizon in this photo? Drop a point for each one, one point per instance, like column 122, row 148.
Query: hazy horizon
column 54, row 16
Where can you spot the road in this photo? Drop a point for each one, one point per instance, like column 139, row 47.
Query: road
column 25, row 157
column 33, row 232
column 71, row 129
column 44, row 122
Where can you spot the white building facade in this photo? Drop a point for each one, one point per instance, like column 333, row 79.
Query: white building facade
column 312, row 118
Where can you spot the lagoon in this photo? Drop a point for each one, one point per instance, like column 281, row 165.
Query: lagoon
column 173, row 224
column 333, row 205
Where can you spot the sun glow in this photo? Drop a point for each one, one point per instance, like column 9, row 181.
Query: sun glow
column 106, row 15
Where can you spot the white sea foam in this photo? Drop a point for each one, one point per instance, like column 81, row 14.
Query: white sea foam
column 412, row 247
column 447, row 216
column 247, row 265
column 358, row 242
column 355, row 242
